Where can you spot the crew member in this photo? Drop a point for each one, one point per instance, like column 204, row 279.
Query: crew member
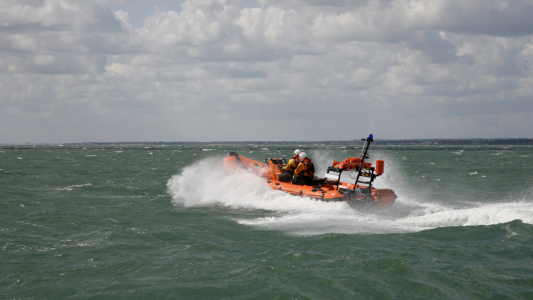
column 290, row 167
column 305, row 172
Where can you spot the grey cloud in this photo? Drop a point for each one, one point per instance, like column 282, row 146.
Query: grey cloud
column 495, row 18
column 435, row 48
column 75, row 27
column 23, row 2
column 246, row 74
column 216, row 71
column 52, row 63
column 320, row 3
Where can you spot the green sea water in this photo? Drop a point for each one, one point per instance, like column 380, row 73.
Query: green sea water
column 166, row 222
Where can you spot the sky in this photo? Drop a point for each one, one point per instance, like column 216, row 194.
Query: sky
column 264, row 70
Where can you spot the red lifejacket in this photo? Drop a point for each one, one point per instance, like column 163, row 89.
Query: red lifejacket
column 310, row 172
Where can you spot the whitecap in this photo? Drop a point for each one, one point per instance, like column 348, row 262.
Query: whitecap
column 460, row 152
column 71, row 187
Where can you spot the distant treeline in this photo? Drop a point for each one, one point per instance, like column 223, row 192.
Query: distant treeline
column 518, row 141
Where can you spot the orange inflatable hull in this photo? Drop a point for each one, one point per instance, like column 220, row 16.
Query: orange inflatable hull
column 324, row 190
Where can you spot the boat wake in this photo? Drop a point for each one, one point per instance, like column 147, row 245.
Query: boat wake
column 205, row 183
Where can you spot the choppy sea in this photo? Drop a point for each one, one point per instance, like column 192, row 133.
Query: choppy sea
column 166, row 222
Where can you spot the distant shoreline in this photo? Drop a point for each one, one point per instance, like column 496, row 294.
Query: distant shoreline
column 499, row 141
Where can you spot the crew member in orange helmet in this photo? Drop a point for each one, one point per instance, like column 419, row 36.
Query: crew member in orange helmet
column 290, row 167
column 305, row 172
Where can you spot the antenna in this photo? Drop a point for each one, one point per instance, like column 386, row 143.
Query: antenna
column 372, row 123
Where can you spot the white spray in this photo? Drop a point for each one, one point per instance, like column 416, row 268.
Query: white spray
column 205, row 183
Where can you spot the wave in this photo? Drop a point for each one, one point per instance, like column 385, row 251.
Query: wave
column 205, row 183
column 71, row 187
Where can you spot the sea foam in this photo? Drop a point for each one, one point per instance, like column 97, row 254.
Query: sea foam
column 205, row 183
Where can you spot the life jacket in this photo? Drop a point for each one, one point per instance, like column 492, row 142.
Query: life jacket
column 297, row 159
column 291, row 168
column 310, row 172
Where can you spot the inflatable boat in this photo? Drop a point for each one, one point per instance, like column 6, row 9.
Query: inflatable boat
column 329, row 188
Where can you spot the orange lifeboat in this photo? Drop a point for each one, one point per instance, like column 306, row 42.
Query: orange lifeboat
column 329, row 188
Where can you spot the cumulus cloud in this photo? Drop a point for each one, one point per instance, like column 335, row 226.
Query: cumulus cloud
column 287, row 70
